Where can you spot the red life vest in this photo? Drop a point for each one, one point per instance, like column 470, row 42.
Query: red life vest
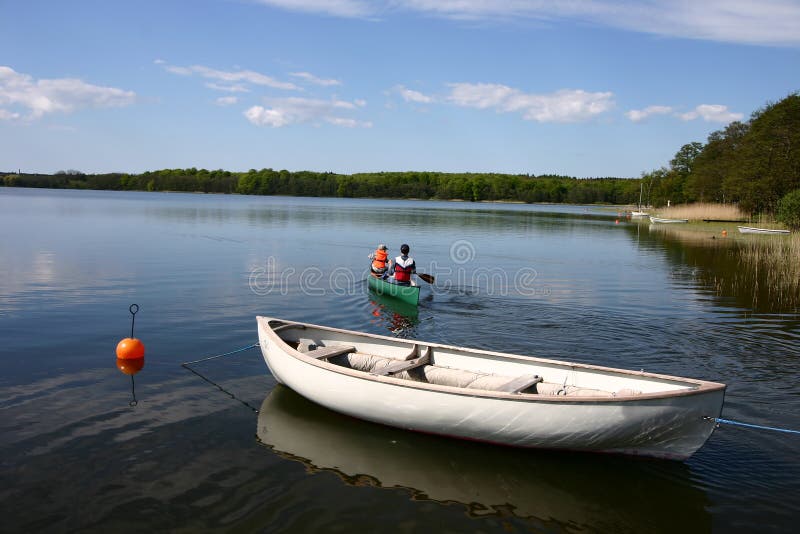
column 403, row 269
column 379, row 263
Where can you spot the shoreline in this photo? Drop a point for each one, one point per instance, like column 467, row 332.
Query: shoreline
column 457, row 200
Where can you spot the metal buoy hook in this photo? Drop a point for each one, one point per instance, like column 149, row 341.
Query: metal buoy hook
column 134, row 308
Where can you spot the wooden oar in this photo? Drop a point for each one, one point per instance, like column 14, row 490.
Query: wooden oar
column 426, row 277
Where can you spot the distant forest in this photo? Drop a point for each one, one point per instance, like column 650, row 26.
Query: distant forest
column 420, row 185
column 753, row 164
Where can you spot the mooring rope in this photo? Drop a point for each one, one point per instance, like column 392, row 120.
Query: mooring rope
column 750, row 425
column 187, row 365
column 254, row 345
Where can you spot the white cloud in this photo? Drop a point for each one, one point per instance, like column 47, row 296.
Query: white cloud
column 409, row 95
column 310, row 78
column 294, row 110
column 58, row 95
column 764, row 22
column 348, row 123
column 226, row 100
column 6, row 115
column 337, row 8
column 566, row 105
column 230, row 77
column 711, row 113
column 234, row 88
column 638, row 115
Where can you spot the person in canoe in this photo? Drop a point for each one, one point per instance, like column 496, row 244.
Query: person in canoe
column 403, row 267
column 380, row 257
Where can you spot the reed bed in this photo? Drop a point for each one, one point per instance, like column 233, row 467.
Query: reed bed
column 774, row 261
column 700, row 211
column 762, row 271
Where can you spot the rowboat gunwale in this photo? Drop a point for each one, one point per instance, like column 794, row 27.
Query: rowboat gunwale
column 701, row 386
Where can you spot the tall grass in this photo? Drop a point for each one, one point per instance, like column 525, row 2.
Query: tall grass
column 774, row 261
column 763, row 270
column 700, row 211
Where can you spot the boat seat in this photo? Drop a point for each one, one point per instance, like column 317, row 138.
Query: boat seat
column 329, row 352
column 413, row 354
column 518, row 384
column 405, row 365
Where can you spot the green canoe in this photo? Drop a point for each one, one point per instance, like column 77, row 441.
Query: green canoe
column 408, row 294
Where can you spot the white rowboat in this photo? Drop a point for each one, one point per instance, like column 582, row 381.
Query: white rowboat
column 491, row 396
column 769, row 231
column 662, row 220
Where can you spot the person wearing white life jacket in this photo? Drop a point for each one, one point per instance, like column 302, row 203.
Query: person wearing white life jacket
column 403, row 267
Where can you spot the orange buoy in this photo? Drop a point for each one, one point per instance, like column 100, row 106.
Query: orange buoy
column 130, row 366
column 724, row 233
column 130, row 349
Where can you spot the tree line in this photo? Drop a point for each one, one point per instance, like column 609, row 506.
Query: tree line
column 419, row 185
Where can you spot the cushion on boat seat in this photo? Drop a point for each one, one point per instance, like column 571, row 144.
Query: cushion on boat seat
column 362, row 361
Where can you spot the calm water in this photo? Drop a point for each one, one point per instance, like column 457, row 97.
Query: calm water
column 554, row 281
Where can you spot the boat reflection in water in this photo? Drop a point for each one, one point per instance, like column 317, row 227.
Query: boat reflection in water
column 577, row 490
column 401, row 318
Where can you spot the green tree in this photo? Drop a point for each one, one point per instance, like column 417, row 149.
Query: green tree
column 789, row 209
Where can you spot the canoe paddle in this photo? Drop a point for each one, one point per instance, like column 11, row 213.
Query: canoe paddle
column 426, row 277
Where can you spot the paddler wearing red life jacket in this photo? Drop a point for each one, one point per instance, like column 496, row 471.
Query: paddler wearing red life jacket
column 379, row 261
column 403, row 267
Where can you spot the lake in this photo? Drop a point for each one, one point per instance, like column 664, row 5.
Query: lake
column 85, row 447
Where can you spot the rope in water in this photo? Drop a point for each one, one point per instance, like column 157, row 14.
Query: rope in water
column 187, row 365
column 254, row 345
column 750, row 425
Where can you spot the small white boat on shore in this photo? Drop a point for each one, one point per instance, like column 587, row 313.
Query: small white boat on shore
column 667, row 221
column 492, row 397
column 639, row 214
column 766, row 231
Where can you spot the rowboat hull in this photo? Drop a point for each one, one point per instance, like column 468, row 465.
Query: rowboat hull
column 407, row 294
column 667, row 221
column 765, row 231
column 640, row 413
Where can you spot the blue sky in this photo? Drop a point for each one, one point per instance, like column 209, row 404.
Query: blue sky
column 580, row 88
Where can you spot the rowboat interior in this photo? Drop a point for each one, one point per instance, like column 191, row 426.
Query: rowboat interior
column 482, row 372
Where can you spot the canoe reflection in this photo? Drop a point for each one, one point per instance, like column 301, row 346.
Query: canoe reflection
column 584, row 490
column 398, row 316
